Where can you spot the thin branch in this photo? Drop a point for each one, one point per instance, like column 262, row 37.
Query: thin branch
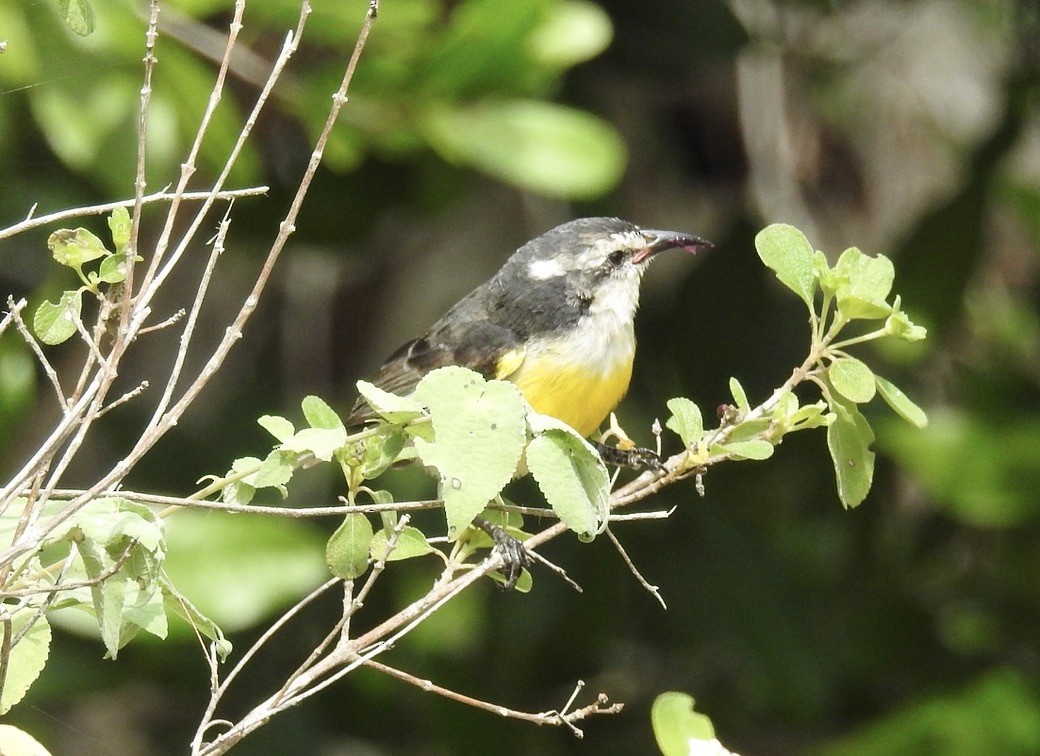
column 193, row 315
column 107, row 207
column 557, row 718
column 15, row 315
column 131, row 394
column 653, row 590
column 188, row 166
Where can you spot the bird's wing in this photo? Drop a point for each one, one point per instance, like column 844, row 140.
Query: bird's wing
column 492, row 350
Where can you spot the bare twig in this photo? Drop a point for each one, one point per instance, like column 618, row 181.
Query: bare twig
column 15, row 315
column 653, row 590
column 107, row 207
column 600, row 706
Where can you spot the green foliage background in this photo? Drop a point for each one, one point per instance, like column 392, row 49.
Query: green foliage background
column 908, row 625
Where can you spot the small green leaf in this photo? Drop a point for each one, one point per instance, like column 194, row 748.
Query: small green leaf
column 572, row 478
column 686, row 420
column 676, row 723
column 112, row 269
column 852, row 379
column 56, row 322
column 347, row 551
column 78, row 15
column 119, row 225
column 381, row 451
column 849, row 438
column 539, row 146
column 391, row 407
column 277, row 426
column 572, row 32
column 901, row 403
column 320, row 415
column 411, row 543
column 321, row 442
column 275, row 471
column 786, row 251
column 749, row 429
column 26, row 659
column 900, row 326
column 756, row 449
column 869, row 283
column 739, row 396
column 480, row 428
column 73, row 247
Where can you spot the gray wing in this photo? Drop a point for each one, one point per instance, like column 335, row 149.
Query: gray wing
column 477, row 345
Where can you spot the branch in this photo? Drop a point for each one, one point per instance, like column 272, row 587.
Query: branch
column 103, row 209
column 601, row 705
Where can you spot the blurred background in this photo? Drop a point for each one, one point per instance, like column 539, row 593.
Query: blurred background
column 909, row 625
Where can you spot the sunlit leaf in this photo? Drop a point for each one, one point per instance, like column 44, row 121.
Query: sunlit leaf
column 785, row 250
column 541, row 147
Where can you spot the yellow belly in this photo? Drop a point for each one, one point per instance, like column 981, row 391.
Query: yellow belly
column 573, row 394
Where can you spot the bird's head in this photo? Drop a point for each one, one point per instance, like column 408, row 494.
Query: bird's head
column 599, row 260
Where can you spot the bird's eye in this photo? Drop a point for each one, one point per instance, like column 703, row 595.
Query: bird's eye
column 614, row 259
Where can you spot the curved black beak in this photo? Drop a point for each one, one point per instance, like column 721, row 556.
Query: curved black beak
column 659, row 241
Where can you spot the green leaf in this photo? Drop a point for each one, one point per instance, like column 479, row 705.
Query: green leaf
column 109, row 595
column 480, row 429
column 676, row 723
column 411, row 543
column 321, row 442
column 119, row 225
column 112, row 269
column 901, row 403
column 849, row 438
column 900, row 326
column 391, row 407
column 756, row 449
column 320, row 415
column 178, row 604
column 538, row 146
column 381, row 451
column 686, row 420
column 275, row 471
column 346, row 553
column 26, row 659
column 785, row 250
column 572, row 478
column 852, row 379
column 56, row 322
column 869, row 283
column 573, row 32
column 73, row 247
column 739, row 396
column 78, row 15
column 277, row 426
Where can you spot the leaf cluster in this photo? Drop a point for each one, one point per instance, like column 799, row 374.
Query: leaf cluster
column 55, row 322
column 106, row 561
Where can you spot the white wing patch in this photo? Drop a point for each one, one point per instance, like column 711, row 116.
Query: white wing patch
column 541, row 270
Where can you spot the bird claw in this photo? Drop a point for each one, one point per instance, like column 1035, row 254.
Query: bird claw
column 512, row 550
column 636, row 458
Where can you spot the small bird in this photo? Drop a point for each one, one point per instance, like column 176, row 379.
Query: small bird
column 556, row 320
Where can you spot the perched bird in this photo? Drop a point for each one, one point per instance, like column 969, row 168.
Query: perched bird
column 556, row 320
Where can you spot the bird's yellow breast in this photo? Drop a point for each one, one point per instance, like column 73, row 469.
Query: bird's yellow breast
column 580, row 397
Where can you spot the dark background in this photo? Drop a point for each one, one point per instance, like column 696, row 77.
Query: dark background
column 908, row 625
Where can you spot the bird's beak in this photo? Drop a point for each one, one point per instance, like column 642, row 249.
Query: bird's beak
column 659, row 241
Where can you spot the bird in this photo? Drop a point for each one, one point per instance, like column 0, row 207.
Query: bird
column 556, row 320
